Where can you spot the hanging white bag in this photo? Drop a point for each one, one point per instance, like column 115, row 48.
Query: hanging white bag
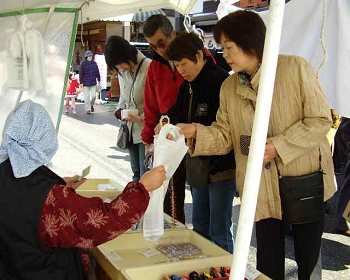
column 170, row 154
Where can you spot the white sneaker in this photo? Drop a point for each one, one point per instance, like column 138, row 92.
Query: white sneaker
column 88, row 112
column 66, row 111
column 74, row 112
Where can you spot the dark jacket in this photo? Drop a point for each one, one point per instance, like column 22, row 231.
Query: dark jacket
column 22, row 254
column 205, row 104
column 88, row 73
column 161, row 90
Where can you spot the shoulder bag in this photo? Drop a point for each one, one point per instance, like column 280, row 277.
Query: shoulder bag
column 123, row 137
column 302, row 196
column 197, row 168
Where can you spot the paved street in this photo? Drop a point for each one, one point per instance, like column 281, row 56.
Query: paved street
column 90, row 140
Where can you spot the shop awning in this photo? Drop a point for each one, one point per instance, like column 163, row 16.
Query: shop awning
column 143, row 16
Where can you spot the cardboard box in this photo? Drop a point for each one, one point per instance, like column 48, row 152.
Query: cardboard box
column 121, row 258
column 90, row 189
column 123, row 253
column 157, row 272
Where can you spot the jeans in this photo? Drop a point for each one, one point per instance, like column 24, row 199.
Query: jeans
column 270, row 238
column 212, row 212
column 137, row 159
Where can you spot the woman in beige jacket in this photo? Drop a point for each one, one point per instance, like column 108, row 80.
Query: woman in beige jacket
column 299, row 121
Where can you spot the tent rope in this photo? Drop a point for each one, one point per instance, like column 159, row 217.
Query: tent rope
column 81, row 21
column 322, row 37
column 192, row 27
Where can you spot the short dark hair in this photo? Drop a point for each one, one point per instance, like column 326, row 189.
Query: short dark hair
column 246, row 29
column 118, row 50
column 185, row 45
column 153, row 23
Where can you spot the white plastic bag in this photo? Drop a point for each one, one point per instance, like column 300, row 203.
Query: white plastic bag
column 170, row 154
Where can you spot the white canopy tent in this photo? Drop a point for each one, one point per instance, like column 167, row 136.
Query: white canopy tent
column 60, row 27
column 51, row 25
column 97, row 9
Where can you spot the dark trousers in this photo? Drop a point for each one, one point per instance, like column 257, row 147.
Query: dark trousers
column 176, row 194
column 270, row 237
column 341, row 158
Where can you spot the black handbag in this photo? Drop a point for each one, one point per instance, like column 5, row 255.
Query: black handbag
column 197, row 168
column 197, row 171
column 123, row 138
column 302, row 197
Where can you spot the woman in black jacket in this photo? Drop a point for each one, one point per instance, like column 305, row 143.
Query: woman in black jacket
column 211, row 178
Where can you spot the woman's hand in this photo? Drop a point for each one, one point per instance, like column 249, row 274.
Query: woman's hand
column 270, row 153
column 154, row 178
column 73, row 182
column 134, row 118
column 189, row 130
column 157, row 129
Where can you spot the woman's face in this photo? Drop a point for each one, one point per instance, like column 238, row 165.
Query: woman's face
column 188, row 69
column 123, row 67
column 236, row 58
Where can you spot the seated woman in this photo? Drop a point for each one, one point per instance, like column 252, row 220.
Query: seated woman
column 44, row 224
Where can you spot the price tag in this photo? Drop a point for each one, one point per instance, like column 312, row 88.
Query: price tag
column 84, row 173
column 148, row 252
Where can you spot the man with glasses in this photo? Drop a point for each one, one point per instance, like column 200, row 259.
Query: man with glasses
column 161, row 90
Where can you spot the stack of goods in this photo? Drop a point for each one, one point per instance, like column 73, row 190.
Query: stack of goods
column 222, row 273
column 180, row 251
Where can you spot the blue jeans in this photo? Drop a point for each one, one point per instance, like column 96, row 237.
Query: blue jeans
column 137, row 159
column 212, row 212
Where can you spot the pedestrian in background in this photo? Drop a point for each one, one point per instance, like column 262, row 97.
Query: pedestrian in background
column 71, row 93
column 89, row 76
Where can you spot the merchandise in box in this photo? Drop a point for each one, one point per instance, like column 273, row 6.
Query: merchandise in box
column 103, row 188
column 131, row 257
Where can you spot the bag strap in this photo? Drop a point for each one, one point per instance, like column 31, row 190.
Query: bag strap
column 134, row 79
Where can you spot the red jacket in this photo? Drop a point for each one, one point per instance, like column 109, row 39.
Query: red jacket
column 161, row 90
column 72, row 86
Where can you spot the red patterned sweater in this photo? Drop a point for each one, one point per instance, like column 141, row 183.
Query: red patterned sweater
column 69, row 220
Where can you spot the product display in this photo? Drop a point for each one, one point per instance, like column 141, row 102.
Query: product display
column 179, row 251
column 221, row 273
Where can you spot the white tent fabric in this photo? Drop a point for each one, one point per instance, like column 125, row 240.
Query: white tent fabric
column 301, row 35
column 96, row 9
column 55, row 31
column 46, row 82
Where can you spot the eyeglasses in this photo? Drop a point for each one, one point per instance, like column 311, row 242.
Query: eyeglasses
column 158, row 45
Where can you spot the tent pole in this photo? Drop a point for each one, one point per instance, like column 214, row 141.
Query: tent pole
column 257, row 148
column 19, row 97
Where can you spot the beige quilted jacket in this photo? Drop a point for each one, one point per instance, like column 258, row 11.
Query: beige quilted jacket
column 299, row 121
